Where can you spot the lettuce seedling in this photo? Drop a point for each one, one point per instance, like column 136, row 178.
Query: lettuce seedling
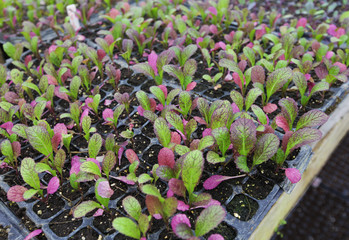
column 184, row 74
column 183, row 55
column 161, row 94
column 183, row 127
column 302, row 85
column 32, row 45
column 55, row 77
column 126, row 225
column 30, row 175
column 250, row 98
column 86, row 77
column 75, row 112
column 111, row 117
column 94, row 56
column 213, row 80
column 103, row 192
column 154, row 67
column 93, row 103
column 139, row 39
column 127, row 46
column 86, row 127
column 158, row 206
column 208, row 219
column 11, row 151
column 147, row 105
column 243, row 134
column 329, row 72
column 94, row 145
column 73, row 65
column 107, row 44
column 13, row 51
column 113, row 74
column 40, row 138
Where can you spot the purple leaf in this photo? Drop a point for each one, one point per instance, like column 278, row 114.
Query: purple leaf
column 213, row 181
column 60, row 128
column 53, row 185
column 125, row 180
column 16, row 147
column 213, row 10
column 15, row 193
column 177, row 187
column 108, row 114
column 33, row 234
column 293, row 174
column 179, row 218
column 8, row 127
column 99, row 212
column 166, row 158
column 302, row 137
column 152, row 58
column 61, row 95
column 270, row 107
column 75, row 165
column 131, row 156
column 215, row 237
column 282, row 122
column 321, row 71
column 104, row 189
column 190, row 86
column 182, row 206
column 289, row 109
column 258, row 74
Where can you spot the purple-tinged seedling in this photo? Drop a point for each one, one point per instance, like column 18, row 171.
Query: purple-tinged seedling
column 95, row 145
column 75, row 112
column 30, row 175
column 93, row 55
column 73, row 65
column 111, row 117
column 208, row 219
column 184, row 74
column 123, row 99
column 11, row 151
column 126, row 225
column 107, row 44
column 113, row 74
column 155, row 64
column 127, row 46
column 139, row 39
column 302, row 85
column 55, row 77
column 183, row 55
column 161, row 94
column 33, row 234
column 103, row 192
column 183, row 127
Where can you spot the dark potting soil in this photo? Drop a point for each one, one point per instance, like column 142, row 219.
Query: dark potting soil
column 80, row 142
column 104, row 223
column 222, row 192
column 137, row 79
column 4, row 232
column 231, row 170
column 70, row 194
column 148, row 130
column 212, row 93
column 64, row 224
column 126, row 73
column 242, row 207
column 86, row 233
column 258, row 187
column 137, row 120
column 47, row 209
column 270, row 170
column 225, row 230
column 150, row 156
column 118, row 187
column 318, row 99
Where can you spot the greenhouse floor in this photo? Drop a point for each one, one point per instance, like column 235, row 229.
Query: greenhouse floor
column 323, row 212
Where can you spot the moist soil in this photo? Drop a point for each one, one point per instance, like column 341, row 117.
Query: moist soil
column 242, row 207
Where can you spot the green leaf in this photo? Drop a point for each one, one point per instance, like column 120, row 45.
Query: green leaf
column 272, row 38
column 143, row 223
column 222, row 137
column 159, row 94
column 300, row 82
column 28, row 173
column 214, row 158
column 237, row 99
column 40, row 139
column 127, row 227
column 251, row 97
column 132, row 207
column 144, row 68
column 289, row 109
column 6, row 149
column 249, row 53
column 312, row 118
column 243, row 135
column 109, row 162
column 205, row 142
column 302, row 137
column 59, row 160
column 150, row 189
column 42, row 167
column 30, row 193
column 85, row 207
column 9, row 49
column 185, row 102
column 343, row 16
column 266, row 148
column 175, row 120
column 90, row 167
column 192, row 168
column 31, row 86
column 162, row 131
column 209, row 219
column 190, row 127
column 319, row 87
column 143, row 100
column 181, row 150
column 169, row 206
column 277, row 79
column 94, row 145
column 241, row 163
column 86, row 124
